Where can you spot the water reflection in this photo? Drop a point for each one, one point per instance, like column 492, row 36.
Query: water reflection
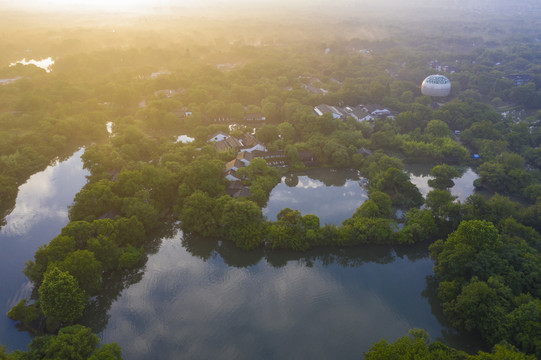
column 463, row 187
column 109, row 127
column 331, row 194
column 45, row 64
column 40, row 198
column 205, row 299
column 39, row 215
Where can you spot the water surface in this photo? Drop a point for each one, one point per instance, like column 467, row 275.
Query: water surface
column 200, row 298
column 420, row 174
column 45, row 64
column 40, row 212
column 331, row 194
column 216, row 301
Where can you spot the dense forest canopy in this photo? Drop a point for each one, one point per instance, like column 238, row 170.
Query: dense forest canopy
column 229, row 81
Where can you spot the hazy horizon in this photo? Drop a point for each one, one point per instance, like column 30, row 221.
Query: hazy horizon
column 160, row 6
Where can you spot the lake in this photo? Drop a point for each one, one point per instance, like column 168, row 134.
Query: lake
column 216, row 301
column 201, row 298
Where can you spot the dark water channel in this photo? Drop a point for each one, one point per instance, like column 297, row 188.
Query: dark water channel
column 201, row 299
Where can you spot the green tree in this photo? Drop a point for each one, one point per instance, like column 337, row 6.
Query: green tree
column 84, row 267
column 105, row 250
column 437, row 129
column 201, row 214
column 414, row 346
column 524, row 327
column 267, row 133
column 72, row 342
column 107, row 352
column 419, row 226
column 130, row 257
column 243, row 223
column 287, row 132
column 482, row 307
column 457, row 258
column 60, row 296
column 398, row 186
column 93, row 201
column 289, row 231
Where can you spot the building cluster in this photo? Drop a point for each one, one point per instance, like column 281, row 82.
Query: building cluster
column 249, row 148
column 312, row 87
column 359, row 113
column 247, row 142
column 444, row 68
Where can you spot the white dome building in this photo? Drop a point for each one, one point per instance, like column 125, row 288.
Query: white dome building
column 436, row 85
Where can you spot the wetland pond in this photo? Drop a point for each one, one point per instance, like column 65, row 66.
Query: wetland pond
column 420, row 174
column 331, row 194
column 199, row 298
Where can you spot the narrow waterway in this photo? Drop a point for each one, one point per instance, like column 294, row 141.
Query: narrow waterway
column 40, row 212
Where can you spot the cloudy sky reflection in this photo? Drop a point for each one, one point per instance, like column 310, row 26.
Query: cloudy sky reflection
column 44, row 196
column 185, row 307
column 332, row 195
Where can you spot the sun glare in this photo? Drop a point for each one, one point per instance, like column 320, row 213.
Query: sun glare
column 105, row 5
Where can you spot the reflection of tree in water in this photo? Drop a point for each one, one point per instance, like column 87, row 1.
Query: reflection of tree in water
column 416, row 169
column 200, row 247
column 96, row 314
column 331, row 177
column 423, row 170
column 346, row 257
column 291, row 180
column 21, row 176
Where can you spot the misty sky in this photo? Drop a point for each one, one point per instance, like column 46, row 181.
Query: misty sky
column 126, row 5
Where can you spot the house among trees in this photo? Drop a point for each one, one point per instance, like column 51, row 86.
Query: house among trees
column 224, row 142
column 307, row 158
column 336, row 112
column 237, row 190
column 314, row 89
column 245, row 157
column 376, row 110
column 182, row 113
column 359, row 113
column 218, row 136
column 231, row 175
column 235, row 164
